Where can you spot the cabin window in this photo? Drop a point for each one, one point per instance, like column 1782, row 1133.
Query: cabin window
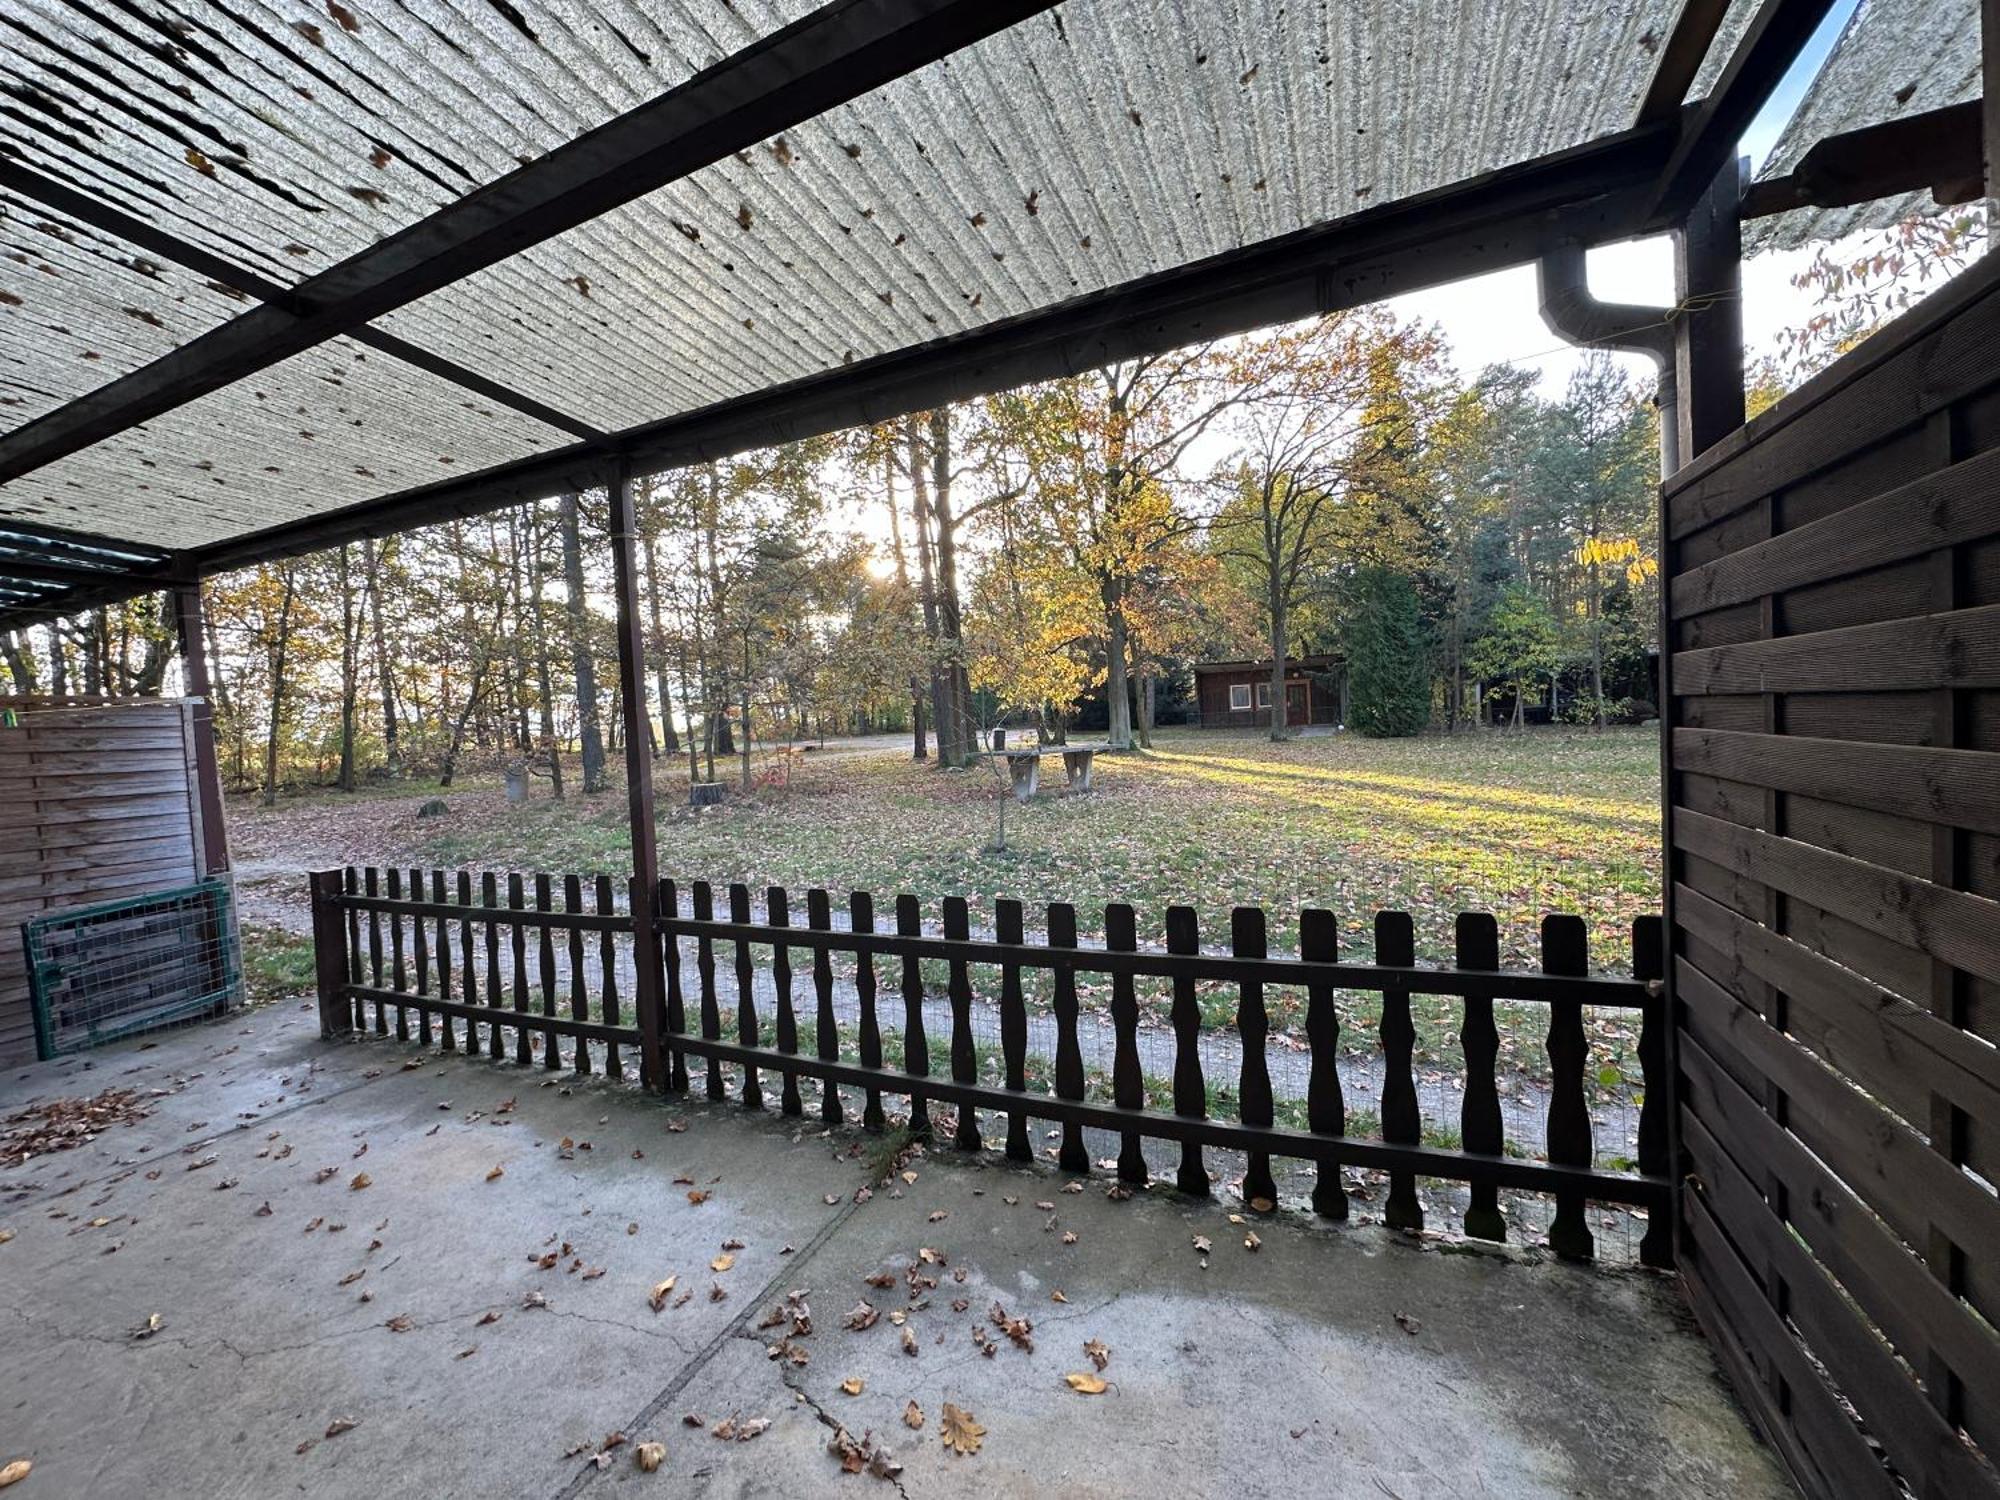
column 1263, row 695
column 1239, row 696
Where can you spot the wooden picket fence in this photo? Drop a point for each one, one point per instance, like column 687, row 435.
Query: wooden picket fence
column 464, row 963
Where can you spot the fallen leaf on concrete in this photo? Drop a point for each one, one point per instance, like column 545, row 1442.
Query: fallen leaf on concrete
column 1069, row 1237
column 351, row 1277
column 853, row 1385
column 323, row 1173
column 722, row 1262
column 909, row 1341
column 153, row 1324
column 496, row 1173
column 649, row 1456
column 939, row 1215
column 534, row 1299
column 862, row 1315
column 960, row 1431
column 913, row 1415
column 1407, row 1323
column 1058, row 1295
column 361, row 1180
column 657, row 1299
column 399, row 1324
column 15, row 1472
column 467, row 1352
column 489, row 1316
column 341, row 1424
column 910, row 1177
column 697, row 1196
column 1100, row 1354
column 1088, row 1385
column 1250, row 1241
column 1201, row 1244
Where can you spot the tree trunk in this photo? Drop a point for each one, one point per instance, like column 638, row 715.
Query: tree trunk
column 920, row 512
column 919, row 750
column 517, row 548
column 745, row 706
column 350, row 667
column 1280, row 627
column 1146, row 681
column 19, row 653
column 1117, row 696
column 957, row 729
column 538, row 627
column 579, row 645
column 670, row 741
column 280, row 647
column 371, row 562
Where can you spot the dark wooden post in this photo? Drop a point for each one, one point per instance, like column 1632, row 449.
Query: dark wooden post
column 336, row 1017
column 208, row 778
column 650, row 979
column 1708, row 371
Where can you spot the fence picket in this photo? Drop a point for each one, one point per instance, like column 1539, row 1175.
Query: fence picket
column 517, row 932
column 1402, row 1124
column 545, row 965
column 826, row 1030
column 420, row 959
column 748, row 1032
column 1254, row 1105
column 1477, row 946
column 1565, row 950
column 668, row 902
column 1007, row 925
column 371, row 885
column 861, row 918
column 916, row 1045
column 1190, row 1090
column 1326, row 1109
column 469, row 951
column 778, row 912
column 964, row 1059
column 607, row 983
column 579, row 988
column 704, row 967
column 489, row 897
column 1656, row 1246
column 446, row 1037
column 350, row 879
column 1128, row 1083
column 1072, row 1155
column 400, row 975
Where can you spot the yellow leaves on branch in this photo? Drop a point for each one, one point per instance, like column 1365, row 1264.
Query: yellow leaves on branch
column 1604, row 551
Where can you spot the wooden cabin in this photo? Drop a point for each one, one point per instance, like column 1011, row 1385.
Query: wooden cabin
column 1237, row 694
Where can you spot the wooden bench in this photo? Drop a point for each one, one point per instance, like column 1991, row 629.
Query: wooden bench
column 1024, row 766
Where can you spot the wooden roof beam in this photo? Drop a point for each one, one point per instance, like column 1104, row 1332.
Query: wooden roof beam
column 1939, row 150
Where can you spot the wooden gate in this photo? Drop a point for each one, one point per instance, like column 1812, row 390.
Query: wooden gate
column 1833, row 819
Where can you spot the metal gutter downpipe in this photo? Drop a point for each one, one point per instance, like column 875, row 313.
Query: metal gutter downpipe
column 1570, row 310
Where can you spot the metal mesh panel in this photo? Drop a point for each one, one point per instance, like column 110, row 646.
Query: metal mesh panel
column 96, row 973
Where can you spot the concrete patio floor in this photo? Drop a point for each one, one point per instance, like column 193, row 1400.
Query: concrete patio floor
column 1327, row 1361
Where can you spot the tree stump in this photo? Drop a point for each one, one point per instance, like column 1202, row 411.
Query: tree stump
column 517, row 783
column 704, row 794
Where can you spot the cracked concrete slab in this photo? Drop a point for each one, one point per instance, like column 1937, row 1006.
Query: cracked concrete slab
column 1337, row 1361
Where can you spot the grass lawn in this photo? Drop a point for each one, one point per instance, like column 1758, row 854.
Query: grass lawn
column 1550, row 821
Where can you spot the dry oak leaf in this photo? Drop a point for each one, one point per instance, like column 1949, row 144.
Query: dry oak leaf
column 15, row 1472
column 959, row 1429
column 722, row 1262
column 361, row 1180
column 854, row 1385
column 649, row 1456
column 913, row 1415
column 1201, row 1244
column 1099, row 1352
column 1085, row 1384
column 657, row 1298
column 861, row 1315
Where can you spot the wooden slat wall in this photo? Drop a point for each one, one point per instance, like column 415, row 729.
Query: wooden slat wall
column 1834, row 809
column 95, row 804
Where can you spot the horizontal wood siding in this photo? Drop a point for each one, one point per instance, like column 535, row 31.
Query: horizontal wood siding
column 95, row 805
column 1833, row 587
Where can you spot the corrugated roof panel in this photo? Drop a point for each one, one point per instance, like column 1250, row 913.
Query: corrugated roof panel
column 1894, row 58
column 287, row 135
column 79, row 307
column 334, row 426
column 1078, row 150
